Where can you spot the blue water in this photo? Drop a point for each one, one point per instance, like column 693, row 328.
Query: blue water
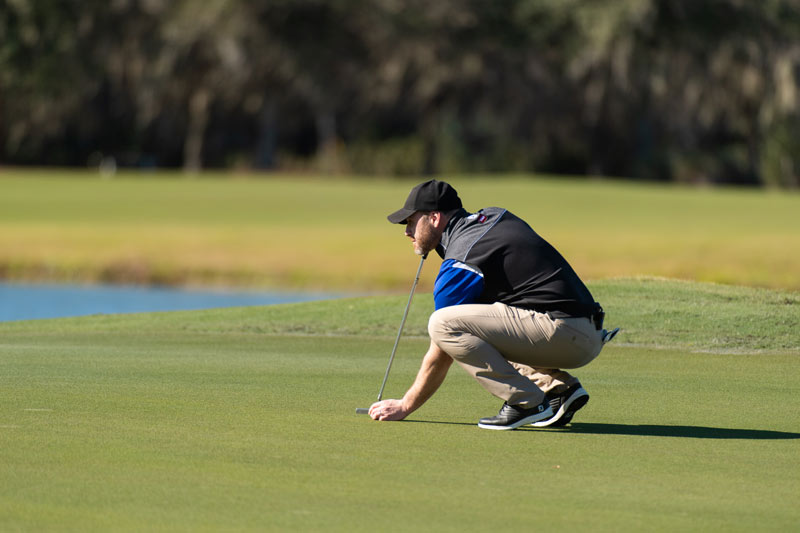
column 34, row 301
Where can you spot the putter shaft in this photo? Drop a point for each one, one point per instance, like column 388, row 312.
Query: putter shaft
column 402, row 324
column 363, row 410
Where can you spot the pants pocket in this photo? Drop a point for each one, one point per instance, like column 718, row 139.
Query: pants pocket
column 581, row 346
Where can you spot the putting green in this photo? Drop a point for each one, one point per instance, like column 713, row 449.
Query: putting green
column 240, row 419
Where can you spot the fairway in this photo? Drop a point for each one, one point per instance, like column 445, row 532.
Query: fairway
column 298, row 231
column 243, row 419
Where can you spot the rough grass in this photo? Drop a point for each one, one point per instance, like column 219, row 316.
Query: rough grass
column 695, row 317
column 244, row 419
column 290, row 231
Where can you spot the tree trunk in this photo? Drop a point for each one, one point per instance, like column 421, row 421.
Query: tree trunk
column 267, row 136
column 327, row 143
column 196, row 130
column 430, row 138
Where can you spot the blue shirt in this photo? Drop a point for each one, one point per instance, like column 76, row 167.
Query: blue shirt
column 457, row 283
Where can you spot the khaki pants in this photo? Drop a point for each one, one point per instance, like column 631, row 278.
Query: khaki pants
column 515, row 354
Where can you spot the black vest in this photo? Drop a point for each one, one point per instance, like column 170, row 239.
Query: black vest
column 520, row 268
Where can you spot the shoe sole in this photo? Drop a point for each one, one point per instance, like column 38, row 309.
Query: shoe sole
column 521, row 422
column 567, row 418
column 578, row 399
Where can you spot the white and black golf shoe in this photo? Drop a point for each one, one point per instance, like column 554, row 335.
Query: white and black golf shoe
column 514, row 416
column 564, row 406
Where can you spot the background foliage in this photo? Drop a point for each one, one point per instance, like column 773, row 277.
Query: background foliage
column 700, row 91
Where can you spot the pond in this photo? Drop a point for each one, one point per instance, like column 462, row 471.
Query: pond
column 36, row 301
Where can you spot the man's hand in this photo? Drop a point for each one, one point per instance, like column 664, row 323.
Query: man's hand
column 388, row 410
column 431, row 374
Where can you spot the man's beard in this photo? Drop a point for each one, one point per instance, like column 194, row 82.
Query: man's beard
column 425, row 239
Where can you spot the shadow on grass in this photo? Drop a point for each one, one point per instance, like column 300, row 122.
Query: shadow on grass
column 650, row 430
column 687, row 432
column 442, row 422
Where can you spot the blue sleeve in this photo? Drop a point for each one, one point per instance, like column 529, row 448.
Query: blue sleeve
column 457, row 283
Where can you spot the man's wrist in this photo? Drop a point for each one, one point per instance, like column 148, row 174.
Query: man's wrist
column 406, row 405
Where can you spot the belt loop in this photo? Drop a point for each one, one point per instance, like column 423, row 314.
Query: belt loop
column 598, row 316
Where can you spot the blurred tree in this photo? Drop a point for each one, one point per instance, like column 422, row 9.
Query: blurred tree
column 43, row 78
column 653, row 89
column 322, row 63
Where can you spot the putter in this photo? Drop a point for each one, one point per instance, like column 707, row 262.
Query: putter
column 365, row 410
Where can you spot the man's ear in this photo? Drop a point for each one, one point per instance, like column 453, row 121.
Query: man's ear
column 437, row 219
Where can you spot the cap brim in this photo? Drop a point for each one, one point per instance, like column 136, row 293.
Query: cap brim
column 400, row 216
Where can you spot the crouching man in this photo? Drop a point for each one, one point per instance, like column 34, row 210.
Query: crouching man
column 509, row 309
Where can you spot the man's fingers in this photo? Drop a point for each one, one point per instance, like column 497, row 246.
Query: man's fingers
column 375, row 410
column 380, row 410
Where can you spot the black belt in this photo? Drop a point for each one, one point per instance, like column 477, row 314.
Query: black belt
column 594, row 313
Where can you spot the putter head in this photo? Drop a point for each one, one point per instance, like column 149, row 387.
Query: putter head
column 362, row 410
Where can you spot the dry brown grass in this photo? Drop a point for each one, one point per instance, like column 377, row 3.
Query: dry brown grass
column 332, row 234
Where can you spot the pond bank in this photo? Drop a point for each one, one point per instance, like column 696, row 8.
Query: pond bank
column 24, row 301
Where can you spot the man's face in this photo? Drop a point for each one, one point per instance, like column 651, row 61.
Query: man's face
column 424, row 236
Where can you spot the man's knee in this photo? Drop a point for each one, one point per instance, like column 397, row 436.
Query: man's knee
column 444, row 326
column 437, row 326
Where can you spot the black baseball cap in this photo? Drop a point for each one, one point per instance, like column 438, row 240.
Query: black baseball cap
column 432, row 195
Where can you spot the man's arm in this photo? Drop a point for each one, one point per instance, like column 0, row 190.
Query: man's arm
column 431, row 374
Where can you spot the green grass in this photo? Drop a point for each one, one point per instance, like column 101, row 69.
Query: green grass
column 313, row 232
column 243, row 419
